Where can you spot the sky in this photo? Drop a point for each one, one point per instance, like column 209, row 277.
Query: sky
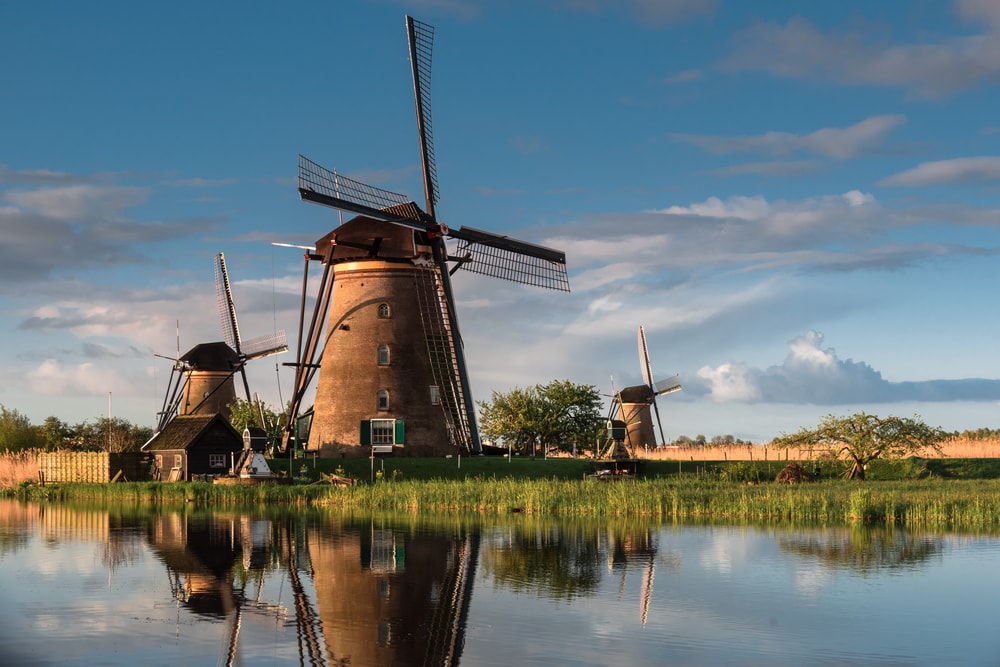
column 797, row 201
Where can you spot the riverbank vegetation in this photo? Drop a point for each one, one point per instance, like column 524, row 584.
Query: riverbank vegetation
column 938, row 494
column 935, row 504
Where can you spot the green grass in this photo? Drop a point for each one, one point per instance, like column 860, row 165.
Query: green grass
column 951, row 494
column 472, row 467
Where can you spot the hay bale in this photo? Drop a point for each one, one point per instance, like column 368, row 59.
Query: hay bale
column 793, row 473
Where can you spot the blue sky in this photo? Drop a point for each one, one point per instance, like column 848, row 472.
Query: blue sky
column 796, row 200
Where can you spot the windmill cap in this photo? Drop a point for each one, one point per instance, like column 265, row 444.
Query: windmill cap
column 211, row 357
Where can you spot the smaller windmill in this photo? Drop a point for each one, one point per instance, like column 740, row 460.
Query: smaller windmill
column 632, row 403
column 201, row 380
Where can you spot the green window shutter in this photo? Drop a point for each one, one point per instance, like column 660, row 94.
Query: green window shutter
column 399, row 439
column 366, row 432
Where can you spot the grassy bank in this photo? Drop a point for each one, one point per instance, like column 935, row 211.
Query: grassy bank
column 934, row 503
column 930, row 493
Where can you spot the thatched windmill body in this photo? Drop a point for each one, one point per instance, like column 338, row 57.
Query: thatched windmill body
column 390, row 362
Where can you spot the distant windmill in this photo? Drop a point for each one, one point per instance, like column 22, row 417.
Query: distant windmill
column 201, row 381
column 393, row 366
column 633, row 402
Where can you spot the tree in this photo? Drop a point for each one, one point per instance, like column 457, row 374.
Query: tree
column 109, row 435
column 243, row 413
column 863, row 438
column 54, row 433
column 16, row 431
column 559, row 414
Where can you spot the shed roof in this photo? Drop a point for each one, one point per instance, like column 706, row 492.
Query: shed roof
column 184, row 430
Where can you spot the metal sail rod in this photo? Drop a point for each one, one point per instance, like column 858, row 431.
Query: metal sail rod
column 421, row 40
column 463, row 371
column 305, row 369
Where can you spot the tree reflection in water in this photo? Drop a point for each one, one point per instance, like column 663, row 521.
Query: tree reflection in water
column 863, row 548
column 564, row 560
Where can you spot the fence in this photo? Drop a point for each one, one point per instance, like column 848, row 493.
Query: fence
column 99, row 467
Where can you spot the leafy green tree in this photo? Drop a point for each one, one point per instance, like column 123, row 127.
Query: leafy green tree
column 109, row 435
column 559, row 414
column 243, row 413
column 17, row 432
column 54, row 433
column 863, row 438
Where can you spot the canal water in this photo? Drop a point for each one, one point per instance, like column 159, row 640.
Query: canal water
column 126, row 586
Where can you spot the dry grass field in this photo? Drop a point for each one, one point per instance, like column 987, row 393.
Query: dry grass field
column 960, row 447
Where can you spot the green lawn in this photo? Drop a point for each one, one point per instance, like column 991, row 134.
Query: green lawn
column 489, row 467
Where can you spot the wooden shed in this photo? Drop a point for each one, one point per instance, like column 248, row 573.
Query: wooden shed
column 193, row 447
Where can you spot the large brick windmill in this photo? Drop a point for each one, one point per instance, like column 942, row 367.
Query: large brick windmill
column 392, row 372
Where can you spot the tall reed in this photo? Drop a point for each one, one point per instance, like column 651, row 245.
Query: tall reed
column 17, row 467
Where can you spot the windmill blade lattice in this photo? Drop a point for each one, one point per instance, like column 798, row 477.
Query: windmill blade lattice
column 320, row 185
column 421, row 40
column 510, row 259
column 227, row 310
column 255, row 348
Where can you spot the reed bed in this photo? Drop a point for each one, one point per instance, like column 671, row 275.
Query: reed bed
column 962, row 447
column 957, row 447
column 17, row 467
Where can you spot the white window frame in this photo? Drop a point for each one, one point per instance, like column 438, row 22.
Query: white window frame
column 383, row 355
column 382, row 399
column 384, row 312
column 383, row 431
column 217, row 460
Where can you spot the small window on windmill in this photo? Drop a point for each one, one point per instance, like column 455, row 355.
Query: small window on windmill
column 383, row 431
column 435, row 395
column 383, row 310
column 383, row 399
column 383, row 355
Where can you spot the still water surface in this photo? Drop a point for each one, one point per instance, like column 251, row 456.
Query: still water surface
column 127, row 586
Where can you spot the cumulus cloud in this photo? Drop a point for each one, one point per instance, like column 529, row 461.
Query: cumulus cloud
column 54, row 378
column 798, row 49
column 958, row 170
column 835, row 142
column 812, row 374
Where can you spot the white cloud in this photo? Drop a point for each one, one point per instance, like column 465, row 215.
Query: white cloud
column 862, row 57
column 958, row 170
column 731, row 382
column 80, row 202
column 836, row 142
column 811, row 374
column 53, row 378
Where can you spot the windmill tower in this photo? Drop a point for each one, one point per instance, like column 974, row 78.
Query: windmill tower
column 393, row 367
column 202, row 380
column 634, row 402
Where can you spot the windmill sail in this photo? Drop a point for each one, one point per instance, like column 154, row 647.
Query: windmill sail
column 666, row 386
column 261, row 346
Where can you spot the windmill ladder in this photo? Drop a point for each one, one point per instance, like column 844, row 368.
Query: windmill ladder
column 441, row 350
